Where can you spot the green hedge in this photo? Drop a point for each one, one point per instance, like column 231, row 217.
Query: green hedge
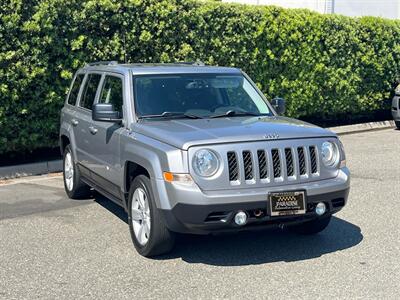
column 324, row 65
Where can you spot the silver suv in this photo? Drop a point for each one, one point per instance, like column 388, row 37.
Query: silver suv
column 188, row 148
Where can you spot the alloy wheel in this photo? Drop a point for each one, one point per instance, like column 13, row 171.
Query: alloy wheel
column 140, row 214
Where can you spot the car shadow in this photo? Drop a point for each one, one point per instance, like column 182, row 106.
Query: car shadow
column 112, row 207
column 265, row 246
column 254, row 247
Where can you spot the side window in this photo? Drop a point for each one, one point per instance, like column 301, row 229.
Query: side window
column 89, row 91
column 73, row 95
column 112, row 92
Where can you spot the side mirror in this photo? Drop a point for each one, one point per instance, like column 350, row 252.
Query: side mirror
column 279, row 104
column 105, row 112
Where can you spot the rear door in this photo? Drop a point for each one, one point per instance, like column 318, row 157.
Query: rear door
column 83, row 121
column 106, row 142
column 68, row 113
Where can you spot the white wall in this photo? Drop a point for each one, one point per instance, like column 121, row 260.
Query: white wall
column 380, row 8
column 316, row 5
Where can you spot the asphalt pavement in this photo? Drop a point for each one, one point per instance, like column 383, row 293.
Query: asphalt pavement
column 55, row 248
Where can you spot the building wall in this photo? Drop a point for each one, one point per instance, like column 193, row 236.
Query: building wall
column 380, row 8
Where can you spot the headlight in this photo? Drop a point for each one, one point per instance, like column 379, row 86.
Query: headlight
column 205, row 163
column 330, row 154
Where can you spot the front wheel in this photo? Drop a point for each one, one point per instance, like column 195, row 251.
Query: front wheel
column 149, row 232
column 312, row 227
column 397, row 124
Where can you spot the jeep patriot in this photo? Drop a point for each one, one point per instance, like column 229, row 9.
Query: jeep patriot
column 189, row 148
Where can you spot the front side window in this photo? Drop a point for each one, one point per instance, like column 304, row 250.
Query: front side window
column 204, row 95
column 89, row 91
column 112, row 92
column 73, row 95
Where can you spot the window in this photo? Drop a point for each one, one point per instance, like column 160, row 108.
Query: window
column 73, row 95
column 204, row 95
column 112, row 92
column 89, row 92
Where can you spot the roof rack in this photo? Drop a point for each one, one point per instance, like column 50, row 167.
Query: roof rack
column 103, row 63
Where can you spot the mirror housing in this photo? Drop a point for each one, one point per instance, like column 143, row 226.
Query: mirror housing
column 279, row 104
column 105, row 112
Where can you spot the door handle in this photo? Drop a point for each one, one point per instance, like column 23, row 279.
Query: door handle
column 92, row 130
column 74, row 122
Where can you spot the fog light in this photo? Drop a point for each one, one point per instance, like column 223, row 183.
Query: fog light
column 320, row 209
column 241, row 218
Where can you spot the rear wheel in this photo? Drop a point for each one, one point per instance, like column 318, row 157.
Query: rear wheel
column 149, row 232
column 73, row 184
column 312, row 227
column 397, row 124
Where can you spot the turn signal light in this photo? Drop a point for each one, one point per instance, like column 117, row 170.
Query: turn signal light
column 178, row 178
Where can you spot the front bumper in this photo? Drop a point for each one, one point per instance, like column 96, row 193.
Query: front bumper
column 204, row 219
column 190, row 210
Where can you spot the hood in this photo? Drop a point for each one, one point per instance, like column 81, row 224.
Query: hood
column 184, row 133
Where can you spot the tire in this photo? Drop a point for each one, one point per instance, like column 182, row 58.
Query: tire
column 73, row 184
column 312, row 227
column 397, row 124
column 154, row 237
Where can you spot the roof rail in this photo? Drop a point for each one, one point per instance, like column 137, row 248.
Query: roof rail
column 101, row 63
column 192, row 63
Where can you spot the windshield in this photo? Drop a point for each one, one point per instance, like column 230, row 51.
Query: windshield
column 197, row 96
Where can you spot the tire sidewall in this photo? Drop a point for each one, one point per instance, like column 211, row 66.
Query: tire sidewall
column 144, row 183
column 70, row 193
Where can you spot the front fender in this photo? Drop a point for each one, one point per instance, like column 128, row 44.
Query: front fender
column 156, row 157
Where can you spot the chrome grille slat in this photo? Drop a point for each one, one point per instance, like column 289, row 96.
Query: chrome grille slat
column 276, row 163
column 262, row 164
column 248, row 165
column 289, row 162
column 302, row 161
column 233, row 166
column 313, row 160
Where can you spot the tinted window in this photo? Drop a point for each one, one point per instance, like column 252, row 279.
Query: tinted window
column 89, row 92
column 112, row 93
column 73, row 95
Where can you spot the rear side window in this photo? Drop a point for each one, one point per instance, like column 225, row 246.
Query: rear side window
column 89, row 91
column 73, row 95
column 112, row 93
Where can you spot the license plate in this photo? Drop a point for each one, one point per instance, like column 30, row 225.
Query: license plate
column 287, row 203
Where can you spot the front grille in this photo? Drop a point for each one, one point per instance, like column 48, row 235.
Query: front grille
column 273, row 165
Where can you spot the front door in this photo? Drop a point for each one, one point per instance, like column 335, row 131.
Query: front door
column 106, row 143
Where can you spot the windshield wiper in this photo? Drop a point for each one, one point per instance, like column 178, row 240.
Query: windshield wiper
column 231, row 113
column 171, row 114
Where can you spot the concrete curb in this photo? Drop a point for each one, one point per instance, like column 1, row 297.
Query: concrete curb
column 356, row 128
column 38, row 168
column 56, row 165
